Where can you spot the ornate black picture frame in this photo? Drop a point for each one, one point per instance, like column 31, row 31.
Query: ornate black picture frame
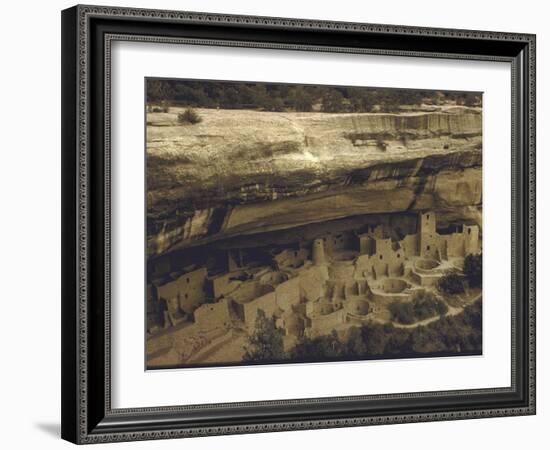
column 87, row 34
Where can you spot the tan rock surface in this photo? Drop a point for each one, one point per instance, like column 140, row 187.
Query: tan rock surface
column 242, row 171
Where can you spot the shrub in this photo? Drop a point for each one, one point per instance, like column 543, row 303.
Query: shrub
column 473, row 269
column 189, row 116
column 381, row 145
column 451, row 284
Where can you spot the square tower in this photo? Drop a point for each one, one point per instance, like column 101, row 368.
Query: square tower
column 471, row 239
column 429, row 239
column 427, row 222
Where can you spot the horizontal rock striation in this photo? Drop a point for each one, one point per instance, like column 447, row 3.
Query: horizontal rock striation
column 248, row 172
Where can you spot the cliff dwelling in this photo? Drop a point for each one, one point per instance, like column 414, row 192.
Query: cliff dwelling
column 311, row 223
column 315, row 287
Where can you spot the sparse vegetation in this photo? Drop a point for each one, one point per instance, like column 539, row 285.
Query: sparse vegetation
column 189, row 116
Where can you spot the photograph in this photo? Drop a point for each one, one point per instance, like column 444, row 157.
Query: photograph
column 300, row 223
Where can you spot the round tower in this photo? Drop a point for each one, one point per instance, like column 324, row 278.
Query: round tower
column 318, row 252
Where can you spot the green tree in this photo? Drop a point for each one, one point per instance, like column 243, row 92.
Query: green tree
column 332, row 101
column 398, row 342
column 301, row 99
column 402, row 312
column 319, row 348
column 427, row 305
column 191, row 95
column 376, row 337
column 392, row 102
column 471, row 99
column 231, row 97
column 271, row 103
column 266, row 342
column 473, row 265
column 355, row 345
column 451, row 284
column 362, row 99
column 423, row 306
column 428, row 339
column 159, row 90
column 472, row 315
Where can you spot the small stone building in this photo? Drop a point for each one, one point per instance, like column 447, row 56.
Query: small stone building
column 291, row 258
column 187, row 292
column 267, row 303
column 226, row 283
column 215, row 315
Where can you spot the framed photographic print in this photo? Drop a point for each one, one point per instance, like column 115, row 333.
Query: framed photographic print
column 336, row 220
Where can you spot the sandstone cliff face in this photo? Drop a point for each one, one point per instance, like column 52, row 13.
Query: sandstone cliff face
column 245, row 172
